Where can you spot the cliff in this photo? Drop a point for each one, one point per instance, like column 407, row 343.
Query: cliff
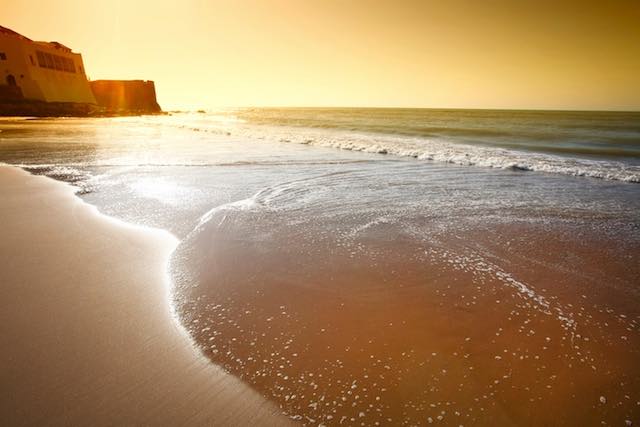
column 126, row 96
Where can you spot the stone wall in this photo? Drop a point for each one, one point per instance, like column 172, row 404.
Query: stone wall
column 30, row 108
column 10, row 93
column 126, row 96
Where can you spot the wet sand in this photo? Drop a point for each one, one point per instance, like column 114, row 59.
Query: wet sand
column 518, row 324
column 86, row 332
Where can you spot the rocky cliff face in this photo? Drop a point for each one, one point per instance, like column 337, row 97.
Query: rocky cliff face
column 126, row 96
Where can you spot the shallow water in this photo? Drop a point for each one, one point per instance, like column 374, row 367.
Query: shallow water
column 356, row 287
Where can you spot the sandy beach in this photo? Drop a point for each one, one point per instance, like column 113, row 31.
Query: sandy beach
column 86, row 331
column 196, row 270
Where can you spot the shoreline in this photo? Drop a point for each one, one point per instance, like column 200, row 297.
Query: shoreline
column 340, row 286
column 88, row 334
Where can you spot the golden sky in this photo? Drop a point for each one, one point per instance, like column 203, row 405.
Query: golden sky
column 396, row 53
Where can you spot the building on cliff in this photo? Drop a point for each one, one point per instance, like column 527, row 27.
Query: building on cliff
column 48, row 79
column 41, row 71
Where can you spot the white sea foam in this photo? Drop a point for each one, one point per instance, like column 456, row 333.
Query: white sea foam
column 239, row 205
column 423, row 148
column 479, row 265
column 465, row 154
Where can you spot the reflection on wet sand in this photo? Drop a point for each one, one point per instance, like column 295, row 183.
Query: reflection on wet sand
column 484, row 326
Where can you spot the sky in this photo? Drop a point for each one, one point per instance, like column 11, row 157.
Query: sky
column 520, row 54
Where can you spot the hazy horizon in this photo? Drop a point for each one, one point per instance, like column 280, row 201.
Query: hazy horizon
column 392, row 107
column 408, row 54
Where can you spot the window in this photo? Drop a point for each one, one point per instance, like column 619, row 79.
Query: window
column 3, row 56
column 49, row 61
column 54, row 62
column 58, row 62
column 33, row 62
column 41, row 60
column 68, row 65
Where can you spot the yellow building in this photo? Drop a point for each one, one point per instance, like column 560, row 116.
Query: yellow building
column 42, row 71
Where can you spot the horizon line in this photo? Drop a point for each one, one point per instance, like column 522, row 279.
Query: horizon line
column 559, row 110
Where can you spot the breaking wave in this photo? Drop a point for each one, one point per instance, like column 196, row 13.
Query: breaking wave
column 615, row 161
column 473, row 155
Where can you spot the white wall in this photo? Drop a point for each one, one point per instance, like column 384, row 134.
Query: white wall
column 42, row 83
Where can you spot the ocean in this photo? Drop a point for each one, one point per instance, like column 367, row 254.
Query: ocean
column 386, row 266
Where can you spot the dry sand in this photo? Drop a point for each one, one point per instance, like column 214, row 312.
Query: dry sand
column 86, row 331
